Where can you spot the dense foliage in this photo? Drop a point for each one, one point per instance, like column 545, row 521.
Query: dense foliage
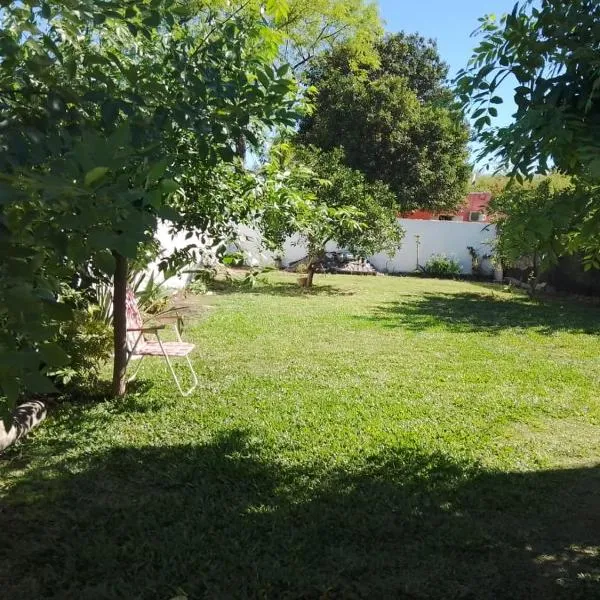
column 540, row 222
column 337, row 205
column 550, row 52
column 310, row 27
column 397, row 122
column 313, row 26
column 111, row 113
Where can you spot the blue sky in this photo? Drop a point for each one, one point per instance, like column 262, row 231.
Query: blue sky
column 450, row 23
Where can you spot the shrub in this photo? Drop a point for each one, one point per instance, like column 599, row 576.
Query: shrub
column 477, row 262
column 203, row 278
column 440, row 265
column 233, row 259
column 87, row 338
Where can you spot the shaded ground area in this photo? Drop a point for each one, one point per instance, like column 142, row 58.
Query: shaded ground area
column 376, row 438
column 280, row 288
column 218, row 521
column 488, row 312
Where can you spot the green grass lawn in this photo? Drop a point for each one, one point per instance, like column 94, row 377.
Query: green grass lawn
column 379, row 437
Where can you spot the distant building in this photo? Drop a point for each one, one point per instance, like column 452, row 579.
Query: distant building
column 473, row 209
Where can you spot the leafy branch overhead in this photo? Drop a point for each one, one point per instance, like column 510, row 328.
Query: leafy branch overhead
column 111, row 113
column 549, row 54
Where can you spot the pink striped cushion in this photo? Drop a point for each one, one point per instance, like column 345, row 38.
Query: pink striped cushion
column 146, row 348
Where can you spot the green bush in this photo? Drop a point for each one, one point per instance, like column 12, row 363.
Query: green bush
column 440, row 265
column 202, row 279
column 233, row 259
column 87, row 338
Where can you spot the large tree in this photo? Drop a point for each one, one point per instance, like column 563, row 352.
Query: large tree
column 550, row 53
column 396, row 122
column 330, row 202
column 111, row 111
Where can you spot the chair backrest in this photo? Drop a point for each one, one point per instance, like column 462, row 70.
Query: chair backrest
column 134, row 319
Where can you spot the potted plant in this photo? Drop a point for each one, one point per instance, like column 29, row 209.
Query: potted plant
column 302, row 270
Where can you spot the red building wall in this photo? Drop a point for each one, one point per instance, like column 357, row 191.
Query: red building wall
column 474, row 202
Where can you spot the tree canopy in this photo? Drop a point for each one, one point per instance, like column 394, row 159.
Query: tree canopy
column 397, row 122
column 417, row 60
column 111, row 113
column 311, row 27
column 308, row 28
column 534, row 221
column 336, row 203
column 551, row 54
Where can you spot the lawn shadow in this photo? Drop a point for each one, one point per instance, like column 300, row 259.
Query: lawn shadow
column 137, row 400
column 72, row 411
column 227, row 520
column 490, row 313
column 279, row 288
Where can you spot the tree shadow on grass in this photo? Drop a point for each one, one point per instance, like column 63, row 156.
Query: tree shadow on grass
column 74, row 412
column 227, row 520
column 489, row 313
column 280, row 289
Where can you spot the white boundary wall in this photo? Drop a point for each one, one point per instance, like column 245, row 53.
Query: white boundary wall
column 435, row 237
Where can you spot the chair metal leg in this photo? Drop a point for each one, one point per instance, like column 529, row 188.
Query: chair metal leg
column 189, row 362
column 132, row 378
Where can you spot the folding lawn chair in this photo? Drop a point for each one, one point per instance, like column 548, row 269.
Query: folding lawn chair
column 138, row 346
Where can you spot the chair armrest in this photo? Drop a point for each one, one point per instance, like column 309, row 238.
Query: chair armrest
column 147, row 329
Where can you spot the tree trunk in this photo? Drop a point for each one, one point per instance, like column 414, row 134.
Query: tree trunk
column 119, row 382
column 310, row 273
column 240, row 146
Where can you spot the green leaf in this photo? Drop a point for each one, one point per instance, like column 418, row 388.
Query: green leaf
column 94, row 175
column 54, row 355
column 595, row 167
column 10, row 388
column 126, row 246
column 496, row 100
column 168, row 213
column 485, row 71
column 157, row 170
column 283, row 70
column 153, row 19
column 105, row 261
column 168, row 186
column 58, row 310
column 38, row 384
column 493, row 111
column 101, row 239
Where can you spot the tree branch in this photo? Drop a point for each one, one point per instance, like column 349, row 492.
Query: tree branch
column 234, row 14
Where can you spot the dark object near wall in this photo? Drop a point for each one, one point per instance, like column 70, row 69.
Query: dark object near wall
column 569, row 276
column 340, row 263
